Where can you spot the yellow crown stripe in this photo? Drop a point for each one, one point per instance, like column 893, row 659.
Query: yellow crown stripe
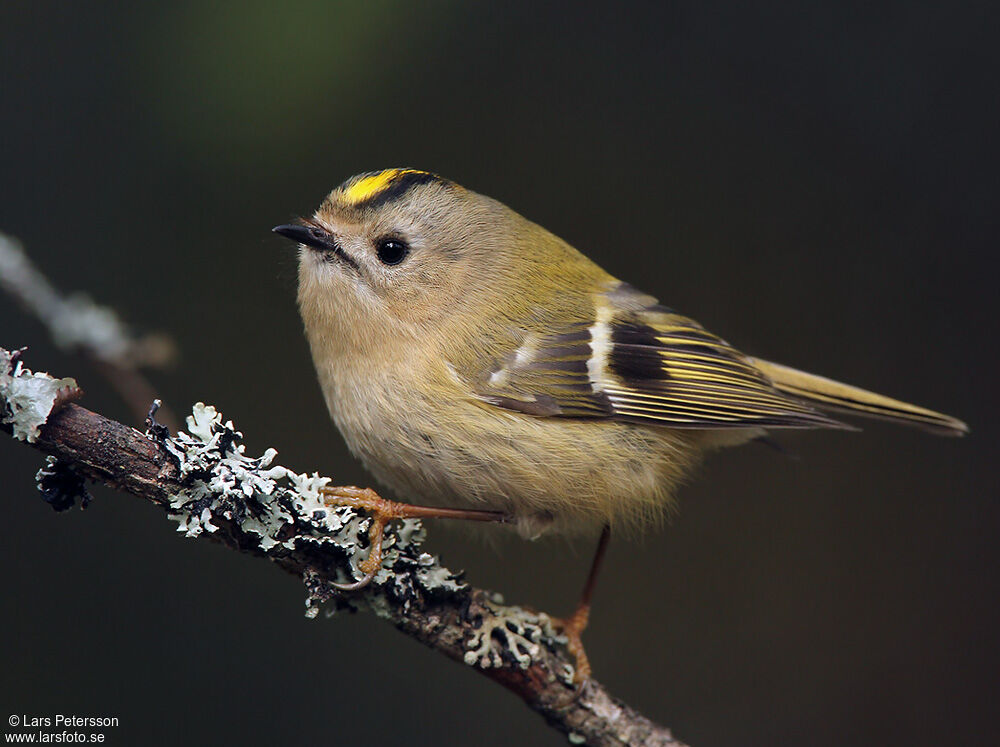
column 365, row 189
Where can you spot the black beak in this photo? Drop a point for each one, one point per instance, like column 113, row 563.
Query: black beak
column 304, row 235
column 317, row 238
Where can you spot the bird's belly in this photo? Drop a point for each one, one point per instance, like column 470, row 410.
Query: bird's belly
column 560, row 474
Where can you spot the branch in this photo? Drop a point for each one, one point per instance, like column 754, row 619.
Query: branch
column 209, row 486
column 77, row 324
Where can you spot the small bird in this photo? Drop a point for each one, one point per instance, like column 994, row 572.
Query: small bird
column 477, row 362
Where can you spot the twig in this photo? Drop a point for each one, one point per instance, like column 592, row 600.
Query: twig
column 207, row 483
column 77, row 324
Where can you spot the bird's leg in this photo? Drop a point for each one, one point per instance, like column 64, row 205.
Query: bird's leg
column 383, row 511
column 574, row 625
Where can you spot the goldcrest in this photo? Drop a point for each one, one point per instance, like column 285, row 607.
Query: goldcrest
column 471, row 358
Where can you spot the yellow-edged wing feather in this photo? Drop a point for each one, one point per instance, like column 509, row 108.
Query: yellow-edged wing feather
column 641, row 362
column 663, row 368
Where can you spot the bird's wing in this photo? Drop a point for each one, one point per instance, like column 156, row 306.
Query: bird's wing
column 637, row 361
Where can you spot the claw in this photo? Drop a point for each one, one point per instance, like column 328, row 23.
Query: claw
column 359, row 584
column 573, row 627
column 382, row 512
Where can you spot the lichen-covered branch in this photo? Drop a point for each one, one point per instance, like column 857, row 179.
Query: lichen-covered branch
column 205, row 482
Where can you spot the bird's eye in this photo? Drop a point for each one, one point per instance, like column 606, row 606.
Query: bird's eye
column 391, row 251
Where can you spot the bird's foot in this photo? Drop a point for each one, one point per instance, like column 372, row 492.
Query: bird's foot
column 572, row 627
column 382, row 511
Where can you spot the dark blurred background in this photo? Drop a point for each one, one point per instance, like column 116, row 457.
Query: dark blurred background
column 818, row 184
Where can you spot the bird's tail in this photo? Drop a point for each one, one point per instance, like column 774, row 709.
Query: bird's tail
column 827, row 394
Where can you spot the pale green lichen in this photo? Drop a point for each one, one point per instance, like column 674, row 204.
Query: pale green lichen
column 512, row 634
column 26, row 398
column 285, row 510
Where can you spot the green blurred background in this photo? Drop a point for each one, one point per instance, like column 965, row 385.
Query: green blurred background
column 818, row 184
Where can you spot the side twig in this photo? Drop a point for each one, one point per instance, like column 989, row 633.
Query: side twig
column 77, row 324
